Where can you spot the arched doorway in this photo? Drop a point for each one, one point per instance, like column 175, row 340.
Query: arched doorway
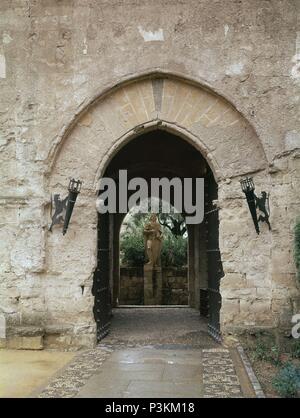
column 230, row 148
column 157, row 154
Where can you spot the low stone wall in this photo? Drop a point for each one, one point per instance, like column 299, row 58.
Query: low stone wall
column 50, row 337
column 175, row 286
column 131, row 286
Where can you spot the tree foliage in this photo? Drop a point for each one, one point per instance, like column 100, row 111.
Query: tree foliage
column 174, row 222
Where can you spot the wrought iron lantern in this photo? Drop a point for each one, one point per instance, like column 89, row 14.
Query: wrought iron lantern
column 254, row 203
column 74, row 189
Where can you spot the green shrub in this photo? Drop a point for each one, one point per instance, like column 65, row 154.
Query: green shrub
column 133, row 250
column 295, row 349
column 267, row 352
column 287, row 381
column 297, row 248
column 174, row 251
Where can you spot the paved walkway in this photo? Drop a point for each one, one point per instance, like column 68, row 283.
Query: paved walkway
column 154, row 352
column 160, row 373
column 155, row 326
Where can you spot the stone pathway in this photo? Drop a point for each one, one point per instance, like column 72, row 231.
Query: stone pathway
column 155, row 326
column 219, row 374
column 160, row 373
column 162, row 353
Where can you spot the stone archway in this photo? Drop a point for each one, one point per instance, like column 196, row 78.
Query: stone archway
column 209, row 122
column 204, row 118
column 160, row 154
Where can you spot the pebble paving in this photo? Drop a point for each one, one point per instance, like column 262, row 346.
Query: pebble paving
column 67, row 383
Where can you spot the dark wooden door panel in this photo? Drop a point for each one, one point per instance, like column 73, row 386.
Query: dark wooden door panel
column 101, row 285
column 214, row 263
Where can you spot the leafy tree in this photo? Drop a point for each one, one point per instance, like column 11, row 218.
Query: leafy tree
column 132, row 250
column 174, row 222
column 174, row 251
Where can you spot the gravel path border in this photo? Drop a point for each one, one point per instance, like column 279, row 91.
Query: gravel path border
column 250, row 372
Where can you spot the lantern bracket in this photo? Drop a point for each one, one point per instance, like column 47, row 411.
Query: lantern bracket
column 256, row 203
column 262, row 204
column 63, row 208
column 58, row 210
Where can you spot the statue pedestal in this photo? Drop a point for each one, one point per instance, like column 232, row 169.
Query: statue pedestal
column 152, row 285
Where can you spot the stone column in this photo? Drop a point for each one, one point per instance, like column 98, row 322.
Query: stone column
column 152, row 285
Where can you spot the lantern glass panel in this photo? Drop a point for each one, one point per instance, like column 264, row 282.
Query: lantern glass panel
column 247, row 184
column 74, row 186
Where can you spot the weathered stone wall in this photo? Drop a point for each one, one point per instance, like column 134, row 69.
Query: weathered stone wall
column 131, row 286
column 60, row 59
column 174, row 286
